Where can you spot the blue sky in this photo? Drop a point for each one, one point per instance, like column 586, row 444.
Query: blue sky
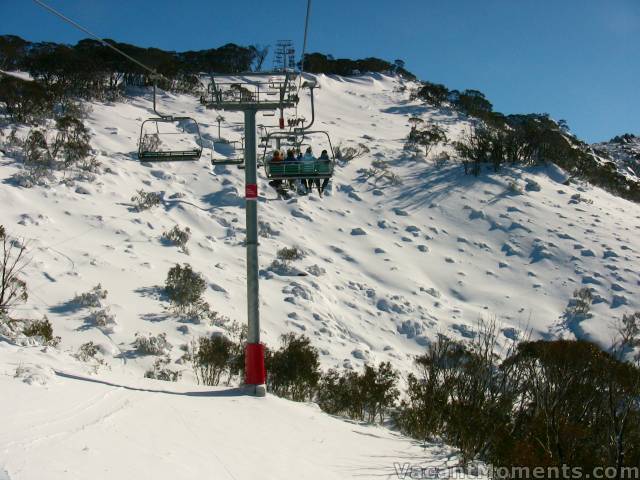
column 574, row 59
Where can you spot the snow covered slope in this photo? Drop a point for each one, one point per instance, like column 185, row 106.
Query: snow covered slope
column 390, row 264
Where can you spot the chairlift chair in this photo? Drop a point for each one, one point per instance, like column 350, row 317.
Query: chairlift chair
column 150, row 145
column 292, row 170
column 234, row 160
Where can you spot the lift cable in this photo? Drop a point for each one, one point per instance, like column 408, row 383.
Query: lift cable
column 304, row 50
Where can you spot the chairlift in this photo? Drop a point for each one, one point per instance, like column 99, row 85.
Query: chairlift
column 231, row 159
column 163, row 145
column 298, row 169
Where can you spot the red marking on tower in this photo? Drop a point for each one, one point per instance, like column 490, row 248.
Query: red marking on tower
column 254, row 371
column 251, row 191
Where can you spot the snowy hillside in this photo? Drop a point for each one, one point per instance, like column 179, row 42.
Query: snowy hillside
column 389, row 265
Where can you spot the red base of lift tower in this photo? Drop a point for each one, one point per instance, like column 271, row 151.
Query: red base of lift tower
column 254, row 371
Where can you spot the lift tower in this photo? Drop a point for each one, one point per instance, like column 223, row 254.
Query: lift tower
column 256, row 92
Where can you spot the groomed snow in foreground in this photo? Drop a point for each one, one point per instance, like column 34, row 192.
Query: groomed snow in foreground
column 388, row 267
column 60, row 423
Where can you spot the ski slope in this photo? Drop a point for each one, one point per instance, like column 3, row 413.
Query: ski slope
column 64, row 424
column 388, row 267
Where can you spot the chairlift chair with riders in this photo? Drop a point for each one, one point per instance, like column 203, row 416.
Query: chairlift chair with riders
column 298, row 169
column 299, row 137
column 150, row 144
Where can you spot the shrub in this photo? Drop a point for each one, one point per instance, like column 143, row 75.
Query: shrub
column 364, row 396
column 161, row 371
column 37, row 155
column 145, row 200
column 13, row 290
column 71, row 141
column 460, row 394
column 346, row 154
column 151, row 344
column 433, row 93
column 429, row 137
column 184, row 287
column 628, row 330
column 337, row 393
column 92, row 298
column 579, row 406
column 178, row 237
column 546, row 403
column 581, row 302
column 87, row 351
column 288, row 254
column 293, row 370
column 43, row 330
column 211, row 357
column 441, row 159
column 380, row 173
column 103, row 319
column 25, row 101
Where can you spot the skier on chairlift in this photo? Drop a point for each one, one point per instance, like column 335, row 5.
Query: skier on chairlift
column 308, row 158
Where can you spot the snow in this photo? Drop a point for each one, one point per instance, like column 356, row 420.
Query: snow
column 70, row 425
column 388, row 267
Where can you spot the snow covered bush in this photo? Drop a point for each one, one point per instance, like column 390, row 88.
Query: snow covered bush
column 184, row 288
column 289, row 254
column 346, row 154
column 148, row 344
column 581, row 302
column 161, row 371
column 145, row 200
column 378, row 171
column 103, row 319
column 43, row 331
column 178, row 237
column 92, row 298
column 13, row 290
column 87, row 351
column 293, row 370
column 62, row 147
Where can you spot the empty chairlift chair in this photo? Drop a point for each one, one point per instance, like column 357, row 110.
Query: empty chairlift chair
column 166, row 144
column 180, row 140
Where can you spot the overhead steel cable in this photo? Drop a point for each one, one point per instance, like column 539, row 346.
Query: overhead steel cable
column 304, row 42
column 94, row 36
column 304, row 49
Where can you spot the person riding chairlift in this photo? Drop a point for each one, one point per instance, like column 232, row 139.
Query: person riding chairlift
column 324, row 157
column 277, row 184
column 308, row 157
column 291, row 156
